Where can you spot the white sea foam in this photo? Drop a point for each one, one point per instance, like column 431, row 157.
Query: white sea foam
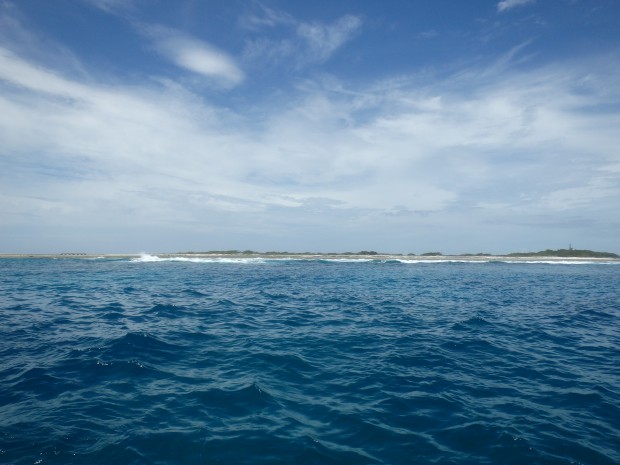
column 147, row 258
column 562, row 262
column 144, row 257
column 440, row 261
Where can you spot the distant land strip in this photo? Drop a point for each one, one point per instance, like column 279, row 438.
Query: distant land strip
column 545, row 255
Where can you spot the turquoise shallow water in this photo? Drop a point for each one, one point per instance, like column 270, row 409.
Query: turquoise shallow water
column 308, row 362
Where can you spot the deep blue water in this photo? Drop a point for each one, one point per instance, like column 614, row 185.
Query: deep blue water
column 308, row 362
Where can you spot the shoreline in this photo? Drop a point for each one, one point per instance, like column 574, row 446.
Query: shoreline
column 320, row 256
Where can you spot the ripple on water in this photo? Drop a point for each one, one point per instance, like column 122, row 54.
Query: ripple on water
column 308, row 363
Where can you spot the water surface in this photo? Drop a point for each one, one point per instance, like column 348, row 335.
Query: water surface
column 308, row 362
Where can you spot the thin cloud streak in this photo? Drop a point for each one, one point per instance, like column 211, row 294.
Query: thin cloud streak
column 505, row 5
column 113, row 6
column 323, row 40
column 308, row 43
column 266, row 17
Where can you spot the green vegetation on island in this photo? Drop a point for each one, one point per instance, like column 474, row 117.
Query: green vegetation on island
column 570, row 252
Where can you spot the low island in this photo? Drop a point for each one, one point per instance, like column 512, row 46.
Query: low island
column 570, row 255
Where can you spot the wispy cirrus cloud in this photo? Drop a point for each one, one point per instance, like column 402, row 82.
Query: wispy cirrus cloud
column 411, row 146
column 486, row 144
column 305, row 42
column 113, row 6
column 505, row 5
column 324, row 39
column 265, row 17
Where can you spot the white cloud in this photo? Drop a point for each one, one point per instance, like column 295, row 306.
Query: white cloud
column 323, row 40
column 195, row 55
column 306, row 42
column 22, row 74
column 430, row 34
column 505, row 5
column 266, row 17
column 83, row 152
column 265, row 50
column 587, row 195
column 112, row 6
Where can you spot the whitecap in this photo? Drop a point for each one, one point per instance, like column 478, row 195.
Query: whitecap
column 441, row 261
column 144, row 257
column 147, row 258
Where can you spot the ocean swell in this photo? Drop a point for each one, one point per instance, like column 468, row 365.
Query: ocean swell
column 308, row 362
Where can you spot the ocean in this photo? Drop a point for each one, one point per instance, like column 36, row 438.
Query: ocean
column 283, row 361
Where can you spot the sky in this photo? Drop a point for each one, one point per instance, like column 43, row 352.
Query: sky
column 402, row 126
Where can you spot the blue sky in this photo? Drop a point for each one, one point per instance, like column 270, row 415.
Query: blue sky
column 397, row 126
